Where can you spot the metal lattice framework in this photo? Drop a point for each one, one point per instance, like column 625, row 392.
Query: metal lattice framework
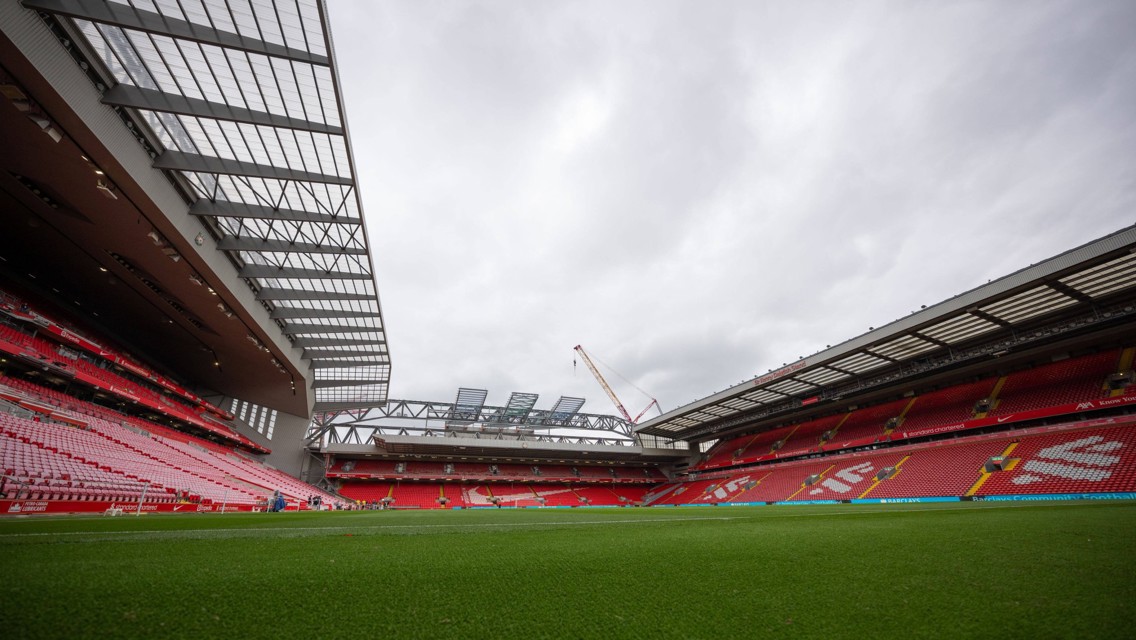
column 517, row 420
column 238, row 102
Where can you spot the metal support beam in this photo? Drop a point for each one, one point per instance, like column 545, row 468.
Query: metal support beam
column 150, row 22
column 348, row 364
column 300, row 329
column 273, row 293
column 311, row 354
column 227, row 209
column 881, row 356
column 403, row 410
column 192, row 162
column 125, row 95
column 989, row 318
column 248, row 243
column 321, row 407
column 272, row 271
column 292, row 313
column 934, row 341
column 342, row 382
column 305, row 343
column 1065, row 289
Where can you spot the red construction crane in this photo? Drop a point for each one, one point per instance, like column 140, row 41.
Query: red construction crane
column 611, row 394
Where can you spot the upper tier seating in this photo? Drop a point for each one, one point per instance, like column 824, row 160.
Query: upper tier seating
column 724, row 452
column 124, row 387
column 1057, row 383
column 746, row 447
column 867, row 423
column 946, row 406
column 806, row 436
column 504, row 471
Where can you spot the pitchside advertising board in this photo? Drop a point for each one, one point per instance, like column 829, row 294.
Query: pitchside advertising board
column 40, row 507
column 34, row 507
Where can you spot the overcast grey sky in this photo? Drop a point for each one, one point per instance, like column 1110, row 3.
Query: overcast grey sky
column 700, row 191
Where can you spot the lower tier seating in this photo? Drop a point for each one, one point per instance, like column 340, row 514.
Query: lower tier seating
column 1057, row 459
column 1084, row 461
column 411, row 495
column 948, row 470
column 113, row 457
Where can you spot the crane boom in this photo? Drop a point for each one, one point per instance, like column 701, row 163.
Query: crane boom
column 654, row 403
column 603, row 383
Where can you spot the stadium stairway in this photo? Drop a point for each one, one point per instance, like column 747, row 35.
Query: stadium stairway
column 1081, row 461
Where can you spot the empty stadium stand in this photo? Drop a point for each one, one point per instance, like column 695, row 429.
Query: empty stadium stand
column 1067, row 458
column 946, row 470
column 70, row 449
column 1077, row 461
column 416, row 495
column 57, row 446
column 1056, row 384
column 947, row 406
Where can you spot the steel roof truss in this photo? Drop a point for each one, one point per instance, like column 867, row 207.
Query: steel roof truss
column 141, row 20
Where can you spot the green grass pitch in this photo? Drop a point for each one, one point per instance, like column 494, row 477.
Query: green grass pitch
column 1032, row 570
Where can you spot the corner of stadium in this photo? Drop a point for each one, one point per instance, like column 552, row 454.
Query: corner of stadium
column 189, row 323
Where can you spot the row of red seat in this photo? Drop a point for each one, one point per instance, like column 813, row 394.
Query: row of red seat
column 127, row 456
column 49, row 352
column 1059, row 383
column 1065, row 459
column 391, row 469
column 74, row 339
column 429, row 495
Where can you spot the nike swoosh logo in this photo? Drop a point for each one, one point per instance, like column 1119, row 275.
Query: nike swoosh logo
column 1004, row 419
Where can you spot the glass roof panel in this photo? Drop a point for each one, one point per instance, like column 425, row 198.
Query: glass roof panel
column 1114, row 275
column 790, row 386
column 859, row 363
column 763, row 396
column 1029, row 304
column 903, row 347
column 821, row 375
column 302, row 224
column 959, row 328
column 740, row 403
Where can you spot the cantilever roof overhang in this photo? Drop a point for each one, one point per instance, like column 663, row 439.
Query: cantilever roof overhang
column 1089, row 279
column 238, row 103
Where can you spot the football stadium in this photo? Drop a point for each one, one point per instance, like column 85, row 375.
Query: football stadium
column 198, row 438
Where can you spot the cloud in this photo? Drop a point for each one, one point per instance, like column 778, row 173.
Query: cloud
column 699, row 192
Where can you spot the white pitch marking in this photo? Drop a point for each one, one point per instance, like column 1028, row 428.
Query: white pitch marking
column 362, row 527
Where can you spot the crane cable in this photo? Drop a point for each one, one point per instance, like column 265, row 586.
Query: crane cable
column 617, row 374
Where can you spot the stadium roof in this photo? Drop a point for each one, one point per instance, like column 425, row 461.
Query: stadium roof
column 238, row 104
column 1097, row 280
